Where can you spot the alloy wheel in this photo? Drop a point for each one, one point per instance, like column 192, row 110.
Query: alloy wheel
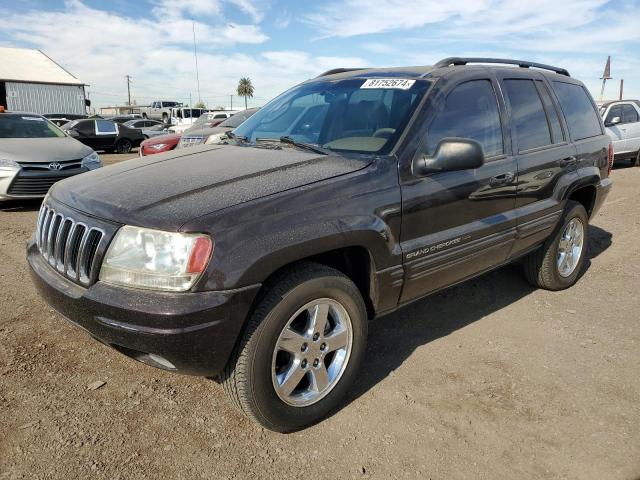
column 312, row 352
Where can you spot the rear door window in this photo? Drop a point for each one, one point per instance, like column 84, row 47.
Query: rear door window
column 106, row 127
column 552, row 113
column 470, row 111
column 527, row 115
column 581, row 115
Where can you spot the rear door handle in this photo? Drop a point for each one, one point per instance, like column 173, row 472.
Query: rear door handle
column 502, row 179
column 567, row 162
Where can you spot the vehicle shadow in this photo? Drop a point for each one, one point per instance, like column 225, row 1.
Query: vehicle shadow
column 21, row 205
column 393, row 338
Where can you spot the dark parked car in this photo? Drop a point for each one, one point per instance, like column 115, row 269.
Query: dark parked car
column 62, row 118
column 261, row 262
column 103, row 134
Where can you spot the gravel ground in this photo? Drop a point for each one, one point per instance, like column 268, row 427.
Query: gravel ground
column 490, row 379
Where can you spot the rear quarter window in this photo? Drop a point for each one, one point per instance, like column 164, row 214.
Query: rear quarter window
column 582, row 117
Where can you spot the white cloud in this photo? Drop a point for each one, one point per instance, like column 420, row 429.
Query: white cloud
column 468, row 18
column 100, row 48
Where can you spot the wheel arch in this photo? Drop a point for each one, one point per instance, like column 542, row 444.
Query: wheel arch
column 584, row 194
column 354, row 261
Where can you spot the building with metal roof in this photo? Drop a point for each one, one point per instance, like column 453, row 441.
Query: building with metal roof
column 30, row 81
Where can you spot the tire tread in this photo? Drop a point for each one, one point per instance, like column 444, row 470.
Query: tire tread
column 235, row 374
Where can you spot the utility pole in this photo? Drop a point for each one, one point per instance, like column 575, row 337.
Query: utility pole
column 231, row 98
column 195, row 54
column 128, row 77
column 621, row 87
column 605, row 76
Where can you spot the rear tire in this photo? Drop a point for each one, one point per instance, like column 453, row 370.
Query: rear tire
column 545, row 267
column 124, row 145
column 256, row 376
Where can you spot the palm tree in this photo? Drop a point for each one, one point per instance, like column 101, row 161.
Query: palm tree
column 245, row 89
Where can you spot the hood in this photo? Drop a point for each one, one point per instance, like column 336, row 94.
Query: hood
column 42, row 149
column 166, row 190
column 164, row 138
column 205, row 132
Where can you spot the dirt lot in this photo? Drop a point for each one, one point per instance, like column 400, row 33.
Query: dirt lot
column 491, row 379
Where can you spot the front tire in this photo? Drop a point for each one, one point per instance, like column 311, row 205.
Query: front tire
column 558, row 263
column 301, row 350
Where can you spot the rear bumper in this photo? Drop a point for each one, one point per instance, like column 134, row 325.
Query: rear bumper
column 192, row 333
column 602, row 190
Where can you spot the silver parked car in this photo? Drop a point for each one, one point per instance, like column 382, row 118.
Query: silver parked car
column 199, row 134
column 35, row 153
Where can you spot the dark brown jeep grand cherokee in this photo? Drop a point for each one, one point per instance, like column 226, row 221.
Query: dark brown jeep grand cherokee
column 260, row 262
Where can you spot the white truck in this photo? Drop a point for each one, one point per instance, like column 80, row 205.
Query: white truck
column 159, row 110
column 182, row 118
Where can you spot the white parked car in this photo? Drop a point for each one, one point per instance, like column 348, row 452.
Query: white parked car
column 622, row 121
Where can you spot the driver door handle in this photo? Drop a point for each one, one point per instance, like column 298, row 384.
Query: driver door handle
column 503, row 179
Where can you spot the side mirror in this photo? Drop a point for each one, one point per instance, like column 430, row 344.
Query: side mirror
column 72, row 133
column 613, row 121
column 451, row 154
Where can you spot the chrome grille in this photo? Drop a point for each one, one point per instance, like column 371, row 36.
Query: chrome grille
column 64, row 165
column 69, row 246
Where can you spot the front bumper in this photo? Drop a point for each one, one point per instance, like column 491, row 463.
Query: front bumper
column 192, row 333
column 26, row 184
column 602, row 190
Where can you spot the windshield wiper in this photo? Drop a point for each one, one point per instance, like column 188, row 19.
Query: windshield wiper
column 307, row 146
column 233, row 136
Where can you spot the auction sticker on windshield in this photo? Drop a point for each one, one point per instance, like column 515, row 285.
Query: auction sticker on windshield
column 400, row 83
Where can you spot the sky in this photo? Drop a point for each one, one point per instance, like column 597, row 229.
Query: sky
column 278, row 43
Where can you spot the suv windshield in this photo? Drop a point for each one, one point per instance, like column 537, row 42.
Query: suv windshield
column 353, row 115
column 27, row 126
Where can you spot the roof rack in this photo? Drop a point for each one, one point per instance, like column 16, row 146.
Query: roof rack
column 333, row 71
column 521, row 63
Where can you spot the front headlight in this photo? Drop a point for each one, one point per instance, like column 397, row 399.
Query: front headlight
column 153, row 259
column 215, row 138
column 9, row 165
column 92, row 161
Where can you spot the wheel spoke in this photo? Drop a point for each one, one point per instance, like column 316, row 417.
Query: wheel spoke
column 320, row 378
column 319, row 318
column 291, row 341
column 337, row 340
column 288, row 382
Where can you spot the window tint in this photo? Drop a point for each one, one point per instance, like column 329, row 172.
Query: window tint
column 470, row 111
column 613, row 113
column 86, row 127
column 578, row 109
column 630, row 115
column 106, row 127
column 552, row 113
column 527, row 114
